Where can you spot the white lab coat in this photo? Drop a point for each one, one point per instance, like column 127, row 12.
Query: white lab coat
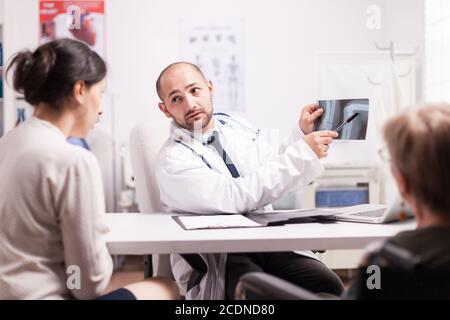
column 193, row 178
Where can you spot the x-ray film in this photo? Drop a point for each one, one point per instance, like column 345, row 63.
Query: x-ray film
column 348, row 117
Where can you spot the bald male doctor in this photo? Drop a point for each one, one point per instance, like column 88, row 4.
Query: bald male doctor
column 220, row 164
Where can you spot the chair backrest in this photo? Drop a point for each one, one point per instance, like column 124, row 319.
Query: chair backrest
column 146, row 139
column 399, row 274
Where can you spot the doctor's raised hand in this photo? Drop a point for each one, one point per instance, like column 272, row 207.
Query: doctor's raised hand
column 309, row 116
column 318, row 141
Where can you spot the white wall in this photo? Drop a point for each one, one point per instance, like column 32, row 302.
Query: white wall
column 281, row 40
column 21, row 21
column 437, row 29
column 1, row 11
column 406, row 26
column 1, row 40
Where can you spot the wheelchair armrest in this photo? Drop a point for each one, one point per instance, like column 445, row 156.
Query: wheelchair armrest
column 262, row 286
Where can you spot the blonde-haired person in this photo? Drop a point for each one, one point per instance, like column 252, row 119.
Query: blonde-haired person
column 418, row 150
column 52, row 202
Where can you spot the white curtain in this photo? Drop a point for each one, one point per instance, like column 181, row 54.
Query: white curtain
column 437, row 47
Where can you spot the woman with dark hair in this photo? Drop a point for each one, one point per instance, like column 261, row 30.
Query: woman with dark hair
column 52, row 201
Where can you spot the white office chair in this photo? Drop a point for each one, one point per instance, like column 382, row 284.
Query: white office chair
column 146, row 139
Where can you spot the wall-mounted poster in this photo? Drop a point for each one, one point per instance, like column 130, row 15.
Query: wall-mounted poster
column 217, row 49
column 82, row 20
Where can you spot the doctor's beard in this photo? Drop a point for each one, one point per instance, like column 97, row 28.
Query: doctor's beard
column 194, row 124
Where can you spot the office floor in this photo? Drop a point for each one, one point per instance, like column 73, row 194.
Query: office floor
column 131, row 269
column 128, row 269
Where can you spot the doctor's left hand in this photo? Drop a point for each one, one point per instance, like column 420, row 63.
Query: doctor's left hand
column 309, row 115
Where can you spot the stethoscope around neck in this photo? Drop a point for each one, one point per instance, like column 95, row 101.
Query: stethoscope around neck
column 225, row 123
column 248, row 128
column 198, row 154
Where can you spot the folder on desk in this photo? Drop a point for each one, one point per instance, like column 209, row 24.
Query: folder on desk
column 282, row 217
column 199, row 222
column 250, row 220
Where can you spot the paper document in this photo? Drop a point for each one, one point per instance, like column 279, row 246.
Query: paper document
column 215, row 222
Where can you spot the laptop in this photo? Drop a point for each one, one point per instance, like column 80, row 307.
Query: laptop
column 373, row 213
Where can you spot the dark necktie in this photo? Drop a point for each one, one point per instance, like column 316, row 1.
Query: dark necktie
column 195, row 260
column 214, row 141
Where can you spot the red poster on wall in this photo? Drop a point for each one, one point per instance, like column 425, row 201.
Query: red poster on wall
column 82, row 20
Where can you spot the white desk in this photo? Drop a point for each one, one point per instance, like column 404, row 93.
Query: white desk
column 141, row 234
